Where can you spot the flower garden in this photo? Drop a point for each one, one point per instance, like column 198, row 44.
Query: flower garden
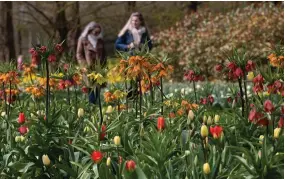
column 199, row 129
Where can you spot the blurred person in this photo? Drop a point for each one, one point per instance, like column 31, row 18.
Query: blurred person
column 91, row 54
column 133, row 36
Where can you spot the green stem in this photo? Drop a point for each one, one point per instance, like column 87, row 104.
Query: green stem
column 194, row 87
column 241, row 95
column 245, row 93
column 100, row 107
column 10, row 98
column 161, row 86
column 140, row 99
column 47, row 90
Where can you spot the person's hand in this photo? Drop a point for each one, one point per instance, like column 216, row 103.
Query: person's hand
column 131, row 46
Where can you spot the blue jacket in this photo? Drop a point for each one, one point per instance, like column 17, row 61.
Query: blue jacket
column 122, row 42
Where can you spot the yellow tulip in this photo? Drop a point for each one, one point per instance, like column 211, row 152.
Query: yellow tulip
column 250, row 76
column 217, row 118
column 261, row 137
column 108, row 162
column 46, row 160
column 191, row 115
column 117, row 140
column 80, row 112
column 206, row 168
column 109, row 109
column 277, row 133
column 204, row 131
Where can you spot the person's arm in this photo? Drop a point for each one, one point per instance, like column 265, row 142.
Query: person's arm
column 149, row 42
column 80, row 54
column 120, row 44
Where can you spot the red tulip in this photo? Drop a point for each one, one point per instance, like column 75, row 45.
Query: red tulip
column 96, row 156
column 130, row 165
column 33, row 52
column 65, row 67
column 59, row 47
column 238, row 72
column 23, row 130
column 258, row 79
column 203, row 101
column 160, row 123
column 103, row 132
column 268, row 106
column 229, row 99
column 21, row 118
column 43, row 49
column 250, row 65
column 258, row 87
column 51, row 58
column 211, row 99
column 232, row 66
column 263, row 122
column 61, row 85
column 218, row 67
column 84, row 89
column 281, row 122
column 216, row 131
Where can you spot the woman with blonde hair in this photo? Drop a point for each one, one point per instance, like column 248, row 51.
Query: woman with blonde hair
column 91, row 53
column 134, row 34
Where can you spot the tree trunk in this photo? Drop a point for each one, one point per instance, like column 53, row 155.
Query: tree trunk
column 75, row 29
column 61, row 22
column 8, row 7
column 131, row 6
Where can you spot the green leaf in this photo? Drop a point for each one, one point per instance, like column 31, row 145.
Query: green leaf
column 245, row 164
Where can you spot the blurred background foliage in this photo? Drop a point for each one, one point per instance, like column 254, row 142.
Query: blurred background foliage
column 192, row 33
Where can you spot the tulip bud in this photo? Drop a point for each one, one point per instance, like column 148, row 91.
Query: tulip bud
column 22, row 138
column 204, row 119
column 217, row 118
column 250, row 76
column 40, row 113
column 46, row 160
column 17, row 138
column 80, row 112
column 209, row 121
column 261, row 137
column 3, row 113
column 204, row 131
column 277, row 133
column 206, row 168
column 187, row 152
column 60, row 158
column 117, row 140
column 21, row 118
column 86, row 129
column 130, row 165
column 108, row 162
column 196, row 160
column 109, row 109
column 191, row 115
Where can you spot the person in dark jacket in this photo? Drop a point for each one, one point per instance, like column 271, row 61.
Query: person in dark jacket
column 91, row 54
column 134, row 34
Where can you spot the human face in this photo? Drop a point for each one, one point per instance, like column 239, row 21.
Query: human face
column 136, row 23
column 96, row 31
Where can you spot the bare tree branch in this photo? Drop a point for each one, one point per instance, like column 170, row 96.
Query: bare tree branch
column 40, row 12
column 43, row 26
